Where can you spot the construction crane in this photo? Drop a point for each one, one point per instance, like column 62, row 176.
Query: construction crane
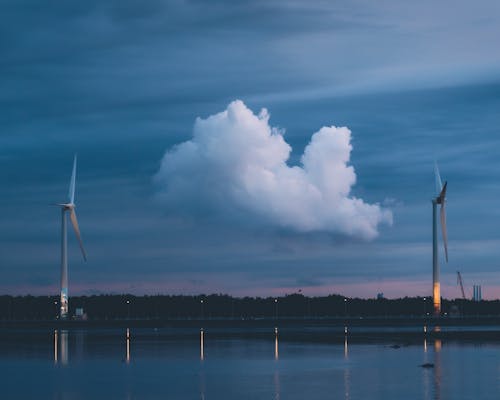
column 459, row 281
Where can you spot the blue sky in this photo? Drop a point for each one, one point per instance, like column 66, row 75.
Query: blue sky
column 121, row 83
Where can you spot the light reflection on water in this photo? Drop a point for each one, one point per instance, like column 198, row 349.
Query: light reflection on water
column 346, row 368
column 202, row 345
column 63, row 341
column 127, row 356
column 56, row 345
column 431, row 374
column 61, row 347
column 346, row 348
column 165, row 367
column 276, row 352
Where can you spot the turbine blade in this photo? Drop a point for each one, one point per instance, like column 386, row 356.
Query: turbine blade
column 443, row 229
column 439, row 184
column 74, row 222
column 71, row 194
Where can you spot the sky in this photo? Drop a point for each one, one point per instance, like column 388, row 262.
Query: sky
column 249, row 148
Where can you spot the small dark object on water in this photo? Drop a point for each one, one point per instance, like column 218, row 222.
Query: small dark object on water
column 395, row 346
column 427, row 365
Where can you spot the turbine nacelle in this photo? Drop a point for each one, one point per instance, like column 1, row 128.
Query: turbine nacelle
column 442, row 195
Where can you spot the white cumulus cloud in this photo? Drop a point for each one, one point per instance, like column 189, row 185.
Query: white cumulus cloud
column 235, row 168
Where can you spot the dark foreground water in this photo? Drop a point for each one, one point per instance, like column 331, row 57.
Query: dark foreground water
column 153, row 364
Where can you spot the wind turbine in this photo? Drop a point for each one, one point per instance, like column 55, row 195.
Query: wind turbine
column 70, row 207
column 441, row 200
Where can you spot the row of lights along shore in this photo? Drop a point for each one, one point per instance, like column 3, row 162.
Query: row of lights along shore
column 202, row 308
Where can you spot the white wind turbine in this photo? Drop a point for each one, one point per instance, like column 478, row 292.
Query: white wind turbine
column 441, row 200
column 69, row 206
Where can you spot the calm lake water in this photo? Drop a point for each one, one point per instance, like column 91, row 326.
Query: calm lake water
column 149, row 364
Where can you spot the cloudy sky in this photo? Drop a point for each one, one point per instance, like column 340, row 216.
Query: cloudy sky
column 249, row 148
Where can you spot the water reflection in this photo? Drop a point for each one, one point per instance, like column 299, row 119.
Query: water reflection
column 127, row 358
column 61, row 347
column 437, row 369
column 55, row 346
column 202, row 385
column 276, row 353
column 168, row 366
column 202, row 352
column 78, row 351
column 277, row 388
column 347, row 372
column 346, row 349
column 432, row 372
column 347, row 383
column 426, row 374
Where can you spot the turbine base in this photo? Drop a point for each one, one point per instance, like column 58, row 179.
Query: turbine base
column 436, row 297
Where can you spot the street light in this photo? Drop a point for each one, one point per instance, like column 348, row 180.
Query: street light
column 55, row 305
column 276, row 308
column 425, row 305
column 128, row 309
column 345, row 306
column 202, row 310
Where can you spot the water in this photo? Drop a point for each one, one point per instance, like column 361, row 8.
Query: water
column 189, row 364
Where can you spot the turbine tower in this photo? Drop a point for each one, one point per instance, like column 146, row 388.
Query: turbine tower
column 70, row 207
column 440, row 199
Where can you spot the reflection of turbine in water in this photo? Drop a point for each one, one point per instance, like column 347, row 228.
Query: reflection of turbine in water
column 276, row 353
column 55, row 346
column 437, row 369
column 432, row 375
column 128, row 346
column 63, row 347
column 202, row 351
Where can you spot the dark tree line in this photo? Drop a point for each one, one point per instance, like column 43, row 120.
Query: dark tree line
column 224, row 306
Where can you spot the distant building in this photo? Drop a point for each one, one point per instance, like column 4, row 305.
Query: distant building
column 380, row 296
column 80, row 314
column 477, row 295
